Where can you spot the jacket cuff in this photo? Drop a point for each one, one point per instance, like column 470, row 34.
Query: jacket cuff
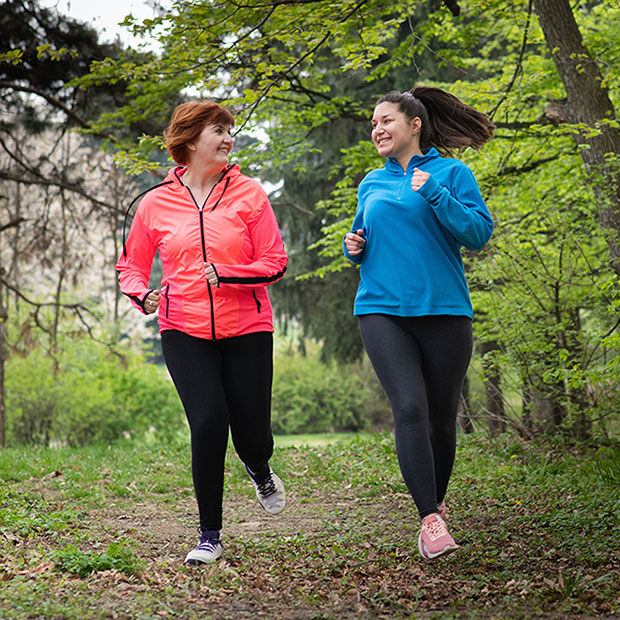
column 429, row 189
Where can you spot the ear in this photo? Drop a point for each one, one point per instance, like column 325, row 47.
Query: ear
column 191, row 146
column 416, row 125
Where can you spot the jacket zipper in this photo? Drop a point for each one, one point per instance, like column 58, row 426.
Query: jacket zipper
column 402, row 186
column 202, row 238
column 204, row 260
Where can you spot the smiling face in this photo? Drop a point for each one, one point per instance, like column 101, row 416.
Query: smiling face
column 212, row 147
column 394, row 134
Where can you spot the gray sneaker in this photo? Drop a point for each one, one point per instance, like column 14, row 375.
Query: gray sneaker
column 270, row 493
column 207, row 550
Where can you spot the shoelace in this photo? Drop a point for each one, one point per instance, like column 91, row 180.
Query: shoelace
column 208, row 544
column 267, row 488
column 435, row 529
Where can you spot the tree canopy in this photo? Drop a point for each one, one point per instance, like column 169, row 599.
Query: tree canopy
column 302, row 77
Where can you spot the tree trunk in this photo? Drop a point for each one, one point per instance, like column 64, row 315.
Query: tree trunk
column 548, row 411
column 3, row 350
column 493, row 390
column 464, row 419
column 588, row 102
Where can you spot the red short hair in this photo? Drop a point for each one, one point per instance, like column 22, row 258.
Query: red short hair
column 187, row 122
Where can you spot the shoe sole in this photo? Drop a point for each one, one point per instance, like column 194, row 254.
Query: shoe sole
column 432, row 556
column 198, row 562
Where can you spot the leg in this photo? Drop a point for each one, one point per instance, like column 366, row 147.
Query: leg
column 247, row 371
column 195, row 367
column 446, row 343
column 396, row 358
column 247, row 377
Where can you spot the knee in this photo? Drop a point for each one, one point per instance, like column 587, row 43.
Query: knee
column 443, row 432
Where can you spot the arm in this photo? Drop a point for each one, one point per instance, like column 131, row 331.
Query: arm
column 463, row 214
column 354, row 242
column 134, row 266
column 270, row 259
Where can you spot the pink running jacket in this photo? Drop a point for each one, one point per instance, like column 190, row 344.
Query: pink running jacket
column 236, row 231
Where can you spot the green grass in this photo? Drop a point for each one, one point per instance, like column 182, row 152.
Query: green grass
column 318, row 439
column 101, row 532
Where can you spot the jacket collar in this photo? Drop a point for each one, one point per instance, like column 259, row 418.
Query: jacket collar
column 392, row 166
column 175, row 174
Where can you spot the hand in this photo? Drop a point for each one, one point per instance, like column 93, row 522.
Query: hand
column 418, row 179
column 211, row 275
column 355, row 242
column 151, row 302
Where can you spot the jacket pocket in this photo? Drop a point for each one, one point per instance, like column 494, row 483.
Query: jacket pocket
column 258, row 304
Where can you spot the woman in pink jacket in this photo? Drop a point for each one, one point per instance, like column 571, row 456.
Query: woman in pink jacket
column 220, row 247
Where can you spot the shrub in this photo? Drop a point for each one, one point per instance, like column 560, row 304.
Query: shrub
column 312, row 397
column 92, row 396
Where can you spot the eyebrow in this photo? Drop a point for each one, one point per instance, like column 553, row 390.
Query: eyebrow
column 383, row 116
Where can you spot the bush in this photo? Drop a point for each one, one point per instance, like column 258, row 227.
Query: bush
column 96, row 396
column 312, row 397
column 92, row 396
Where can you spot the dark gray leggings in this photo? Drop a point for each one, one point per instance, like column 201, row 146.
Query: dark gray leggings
column 222, row 383
column 421, row 363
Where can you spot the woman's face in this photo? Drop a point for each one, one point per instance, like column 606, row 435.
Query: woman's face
column 212, row 146
column 393, row 133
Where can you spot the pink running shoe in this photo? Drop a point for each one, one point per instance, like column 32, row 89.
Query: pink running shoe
column 434, row 539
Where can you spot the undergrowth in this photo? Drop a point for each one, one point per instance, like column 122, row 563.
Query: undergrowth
column 101, row 532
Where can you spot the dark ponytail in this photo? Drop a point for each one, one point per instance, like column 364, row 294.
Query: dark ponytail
column 448, row 124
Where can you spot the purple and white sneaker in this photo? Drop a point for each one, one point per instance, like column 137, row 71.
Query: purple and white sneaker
column 208, row 550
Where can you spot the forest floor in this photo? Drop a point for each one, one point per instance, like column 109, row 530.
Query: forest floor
column 102, row 533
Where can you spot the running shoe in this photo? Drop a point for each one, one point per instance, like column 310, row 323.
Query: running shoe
column 434, row 539
column 270, row 492
column 208, row 550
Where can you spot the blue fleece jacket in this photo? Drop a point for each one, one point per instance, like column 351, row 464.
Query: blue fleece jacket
column 411, row 264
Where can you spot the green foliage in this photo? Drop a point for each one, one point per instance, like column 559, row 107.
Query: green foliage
column 118, row 556
column 310, row 396
column 544, row 292
column 306, row 76
column 91, row 396
column 26, row 515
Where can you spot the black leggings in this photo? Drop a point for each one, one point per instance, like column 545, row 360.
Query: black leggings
column 222, row 383
column 421, row 363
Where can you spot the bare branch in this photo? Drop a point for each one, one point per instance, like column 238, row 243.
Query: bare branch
column 12, row 224
column 42, row 181
column 519, row 66
column 57, row 104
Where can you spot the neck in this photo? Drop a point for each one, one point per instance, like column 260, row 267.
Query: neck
column 202, row 179
column 404, row 160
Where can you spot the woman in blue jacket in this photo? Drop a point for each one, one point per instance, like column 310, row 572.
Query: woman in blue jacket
column 413, row 304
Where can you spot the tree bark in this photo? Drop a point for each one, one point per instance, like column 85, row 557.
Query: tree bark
column 588, row 103
column 493, row 390
column 464, row 418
